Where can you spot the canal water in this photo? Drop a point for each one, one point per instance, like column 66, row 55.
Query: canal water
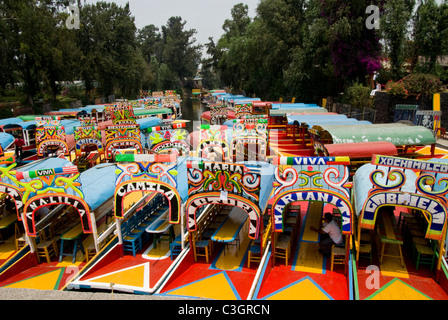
column 192, row 110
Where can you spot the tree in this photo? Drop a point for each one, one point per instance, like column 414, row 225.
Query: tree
column 180, row 53
column 110, row 53
column 150, row 41
column 210, row 66
column 431, row 31
column 355, row 49
column 394, row 26
column 228, row 50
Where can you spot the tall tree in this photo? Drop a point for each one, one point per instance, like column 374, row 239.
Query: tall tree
column 150, row 41
column 355, row 49
column 108, row 40
column 228, row 49
column 394, row 28
column 180, row 53
column 431, row 31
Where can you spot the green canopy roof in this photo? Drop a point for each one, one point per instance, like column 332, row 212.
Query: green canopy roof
column 396, row 133
column 143, row 112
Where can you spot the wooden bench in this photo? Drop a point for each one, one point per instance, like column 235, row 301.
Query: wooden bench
column 202, row 245
column 389, row 236
column 256, row 249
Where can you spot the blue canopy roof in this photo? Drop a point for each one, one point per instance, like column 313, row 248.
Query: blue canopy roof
column 149, row 122
column 46, row 163
column 69, row 125
column 98, row 184
column 286, row 111
column 182, row 178
column 6, row 140
column 10, row 121
column 293, row 105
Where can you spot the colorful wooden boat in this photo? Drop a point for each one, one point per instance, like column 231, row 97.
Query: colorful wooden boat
column 221, row 222
column 24, row 129
column 55, row 203
column 405, row 138
column 150, row 231
column 290, row 265
column 407, row 229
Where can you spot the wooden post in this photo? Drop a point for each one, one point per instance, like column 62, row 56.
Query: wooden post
column 441, row 252
column 358, row 240
column 119, row 233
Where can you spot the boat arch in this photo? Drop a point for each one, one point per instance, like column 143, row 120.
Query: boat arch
column 50, row 199
column 313, row 194
column 15, row 194
column 201, row 199
column 44, row 146
column 436, row 211
column 165, row 189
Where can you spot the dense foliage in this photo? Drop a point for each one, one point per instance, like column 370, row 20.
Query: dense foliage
column 307, row 49
column 310, row 49
column 40, row 56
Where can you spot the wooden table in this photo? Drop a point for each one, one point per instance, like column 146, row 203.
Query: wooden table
column 74, row 234
column 229, row 229
column 158, row 227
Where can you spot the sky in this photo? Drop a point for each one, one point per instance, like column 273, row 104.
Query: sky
column 206, row 16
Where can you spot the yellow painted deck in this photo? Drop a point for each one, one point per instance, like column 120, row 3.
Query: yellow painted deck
column 305, row 289
column 309, row 259
column 398, row 290
column 313, row 219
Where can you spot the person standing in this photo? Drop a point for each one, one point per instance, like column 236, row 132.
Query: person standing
column 19, row 143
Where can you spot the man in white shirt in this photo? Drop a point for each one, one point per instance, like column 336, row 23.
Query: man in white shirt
column 211, row 155
column 330, row 234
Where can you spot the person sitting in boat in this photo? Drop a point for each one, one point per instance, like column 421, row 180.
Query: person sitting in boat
column 330, row 234
column 211, row 155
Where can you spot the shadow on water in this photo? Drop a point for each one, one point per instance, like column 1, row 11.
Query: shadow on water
column 192, row 110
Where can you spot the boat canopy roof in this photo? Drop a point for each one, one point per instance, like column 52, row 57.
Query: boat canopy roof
column 46, row 163
column 398, row 134
column 361, row 149
column 6, row 121
column 98, row 184
column 362, row 184
column 153, row 111
column 6, row 140
column 206, row 115
column 324, row 118
column 149, row 122
column 69, row 125
column 293, row 105
column 297, row 111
